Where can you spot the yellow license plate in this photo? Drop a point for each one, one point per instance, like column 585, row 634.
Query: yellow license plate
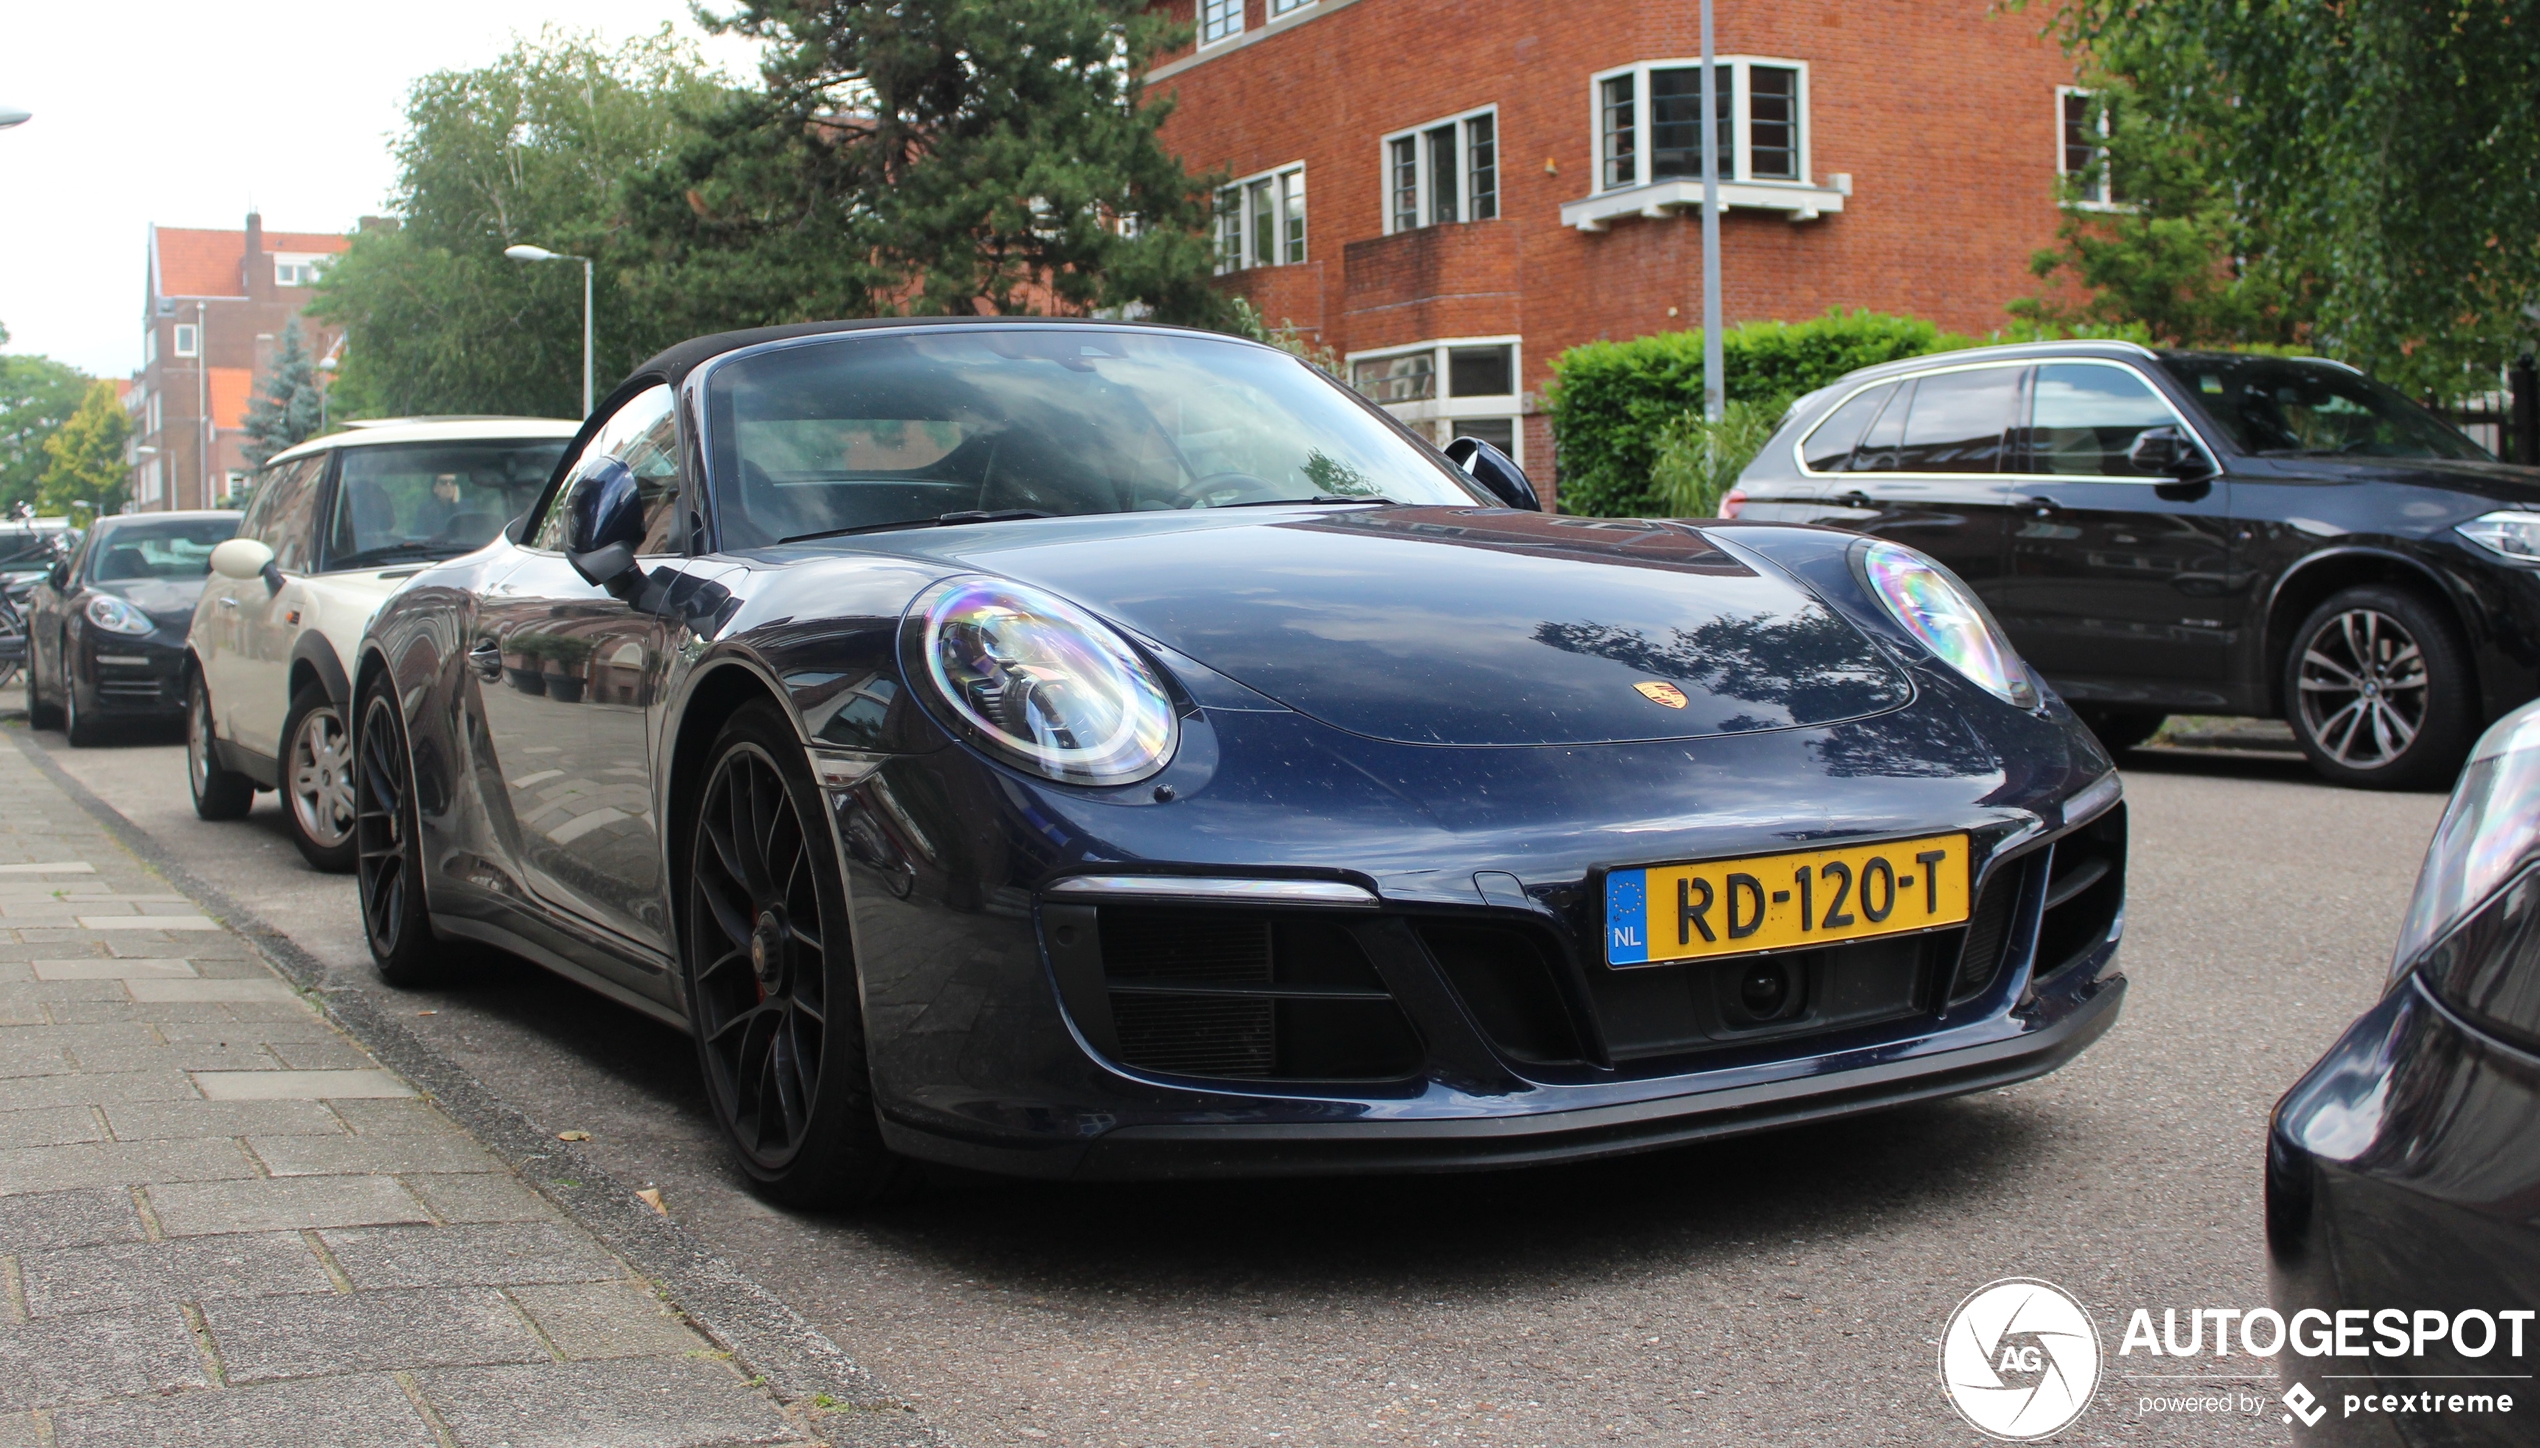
column 1778, row 902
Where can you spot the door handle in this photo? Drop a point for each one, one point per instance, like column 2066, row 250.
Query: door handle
column 227, row 602
column 1854, row 499
column 487, row 659
column 2042, row 507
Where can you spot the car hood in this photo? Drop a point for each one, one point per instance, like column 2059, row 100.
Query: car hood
column 166, row 600
column 1461, row 626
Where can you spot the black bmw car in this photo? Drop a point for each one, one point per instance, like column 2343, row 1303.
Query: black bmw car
column 2404, row 1168
column 1096, row 750
column 2197, row 533
column 106, row 626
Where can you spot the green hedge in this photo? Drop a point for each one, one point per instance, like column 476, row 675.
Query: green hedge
column 1609, row 401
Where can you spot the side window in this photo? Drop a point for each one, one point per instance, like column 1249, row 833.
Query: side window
column 1958, row 422
column 643, row 437
column 2085, row 419
column 1881, row 444
column 1829, row 448
column 289, row 524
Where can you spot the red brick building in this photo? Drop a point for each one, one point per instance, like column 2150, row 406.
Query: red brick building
column 214, row 304
column 1451, row 193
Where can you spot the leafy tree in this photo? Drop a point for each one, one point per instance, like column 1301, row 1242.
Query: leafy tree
column 534, row 148
column 37, row 395
column 932, row 157
column 2371, row 161
column 84, row 463
column 287, row 411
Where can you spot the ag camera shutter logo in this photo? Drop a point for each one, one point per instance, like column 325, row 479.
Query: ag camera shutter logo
column 2019, row 1359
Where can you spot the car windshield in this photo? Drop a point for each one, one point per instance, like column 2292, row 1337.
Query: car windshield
column 2285, row 405
column 433, row 500
column 911, row 428
column 177, row 548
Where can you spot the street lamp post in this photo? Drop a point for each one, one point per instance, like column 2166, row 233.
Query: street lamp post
column 1714, row 389
column 540, row 253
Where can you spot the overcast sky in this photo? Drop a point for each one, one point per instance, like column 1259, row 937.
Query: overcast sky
column 184, row 114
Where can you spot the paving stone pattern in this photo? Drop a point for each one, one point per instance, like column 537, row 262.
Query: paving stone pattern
column 222, row 1222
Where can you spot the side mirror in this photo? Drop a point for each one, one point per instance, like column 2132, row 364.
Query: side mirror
column 245, row 558
column 2167, row 451
column 604, row 522
column 1496, row 471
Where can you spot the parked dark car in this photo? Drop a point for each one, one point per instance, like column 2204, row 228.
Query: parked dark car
column 2403, row 1169
column 106, row 626
column 1098, row 750
column 2190, row 532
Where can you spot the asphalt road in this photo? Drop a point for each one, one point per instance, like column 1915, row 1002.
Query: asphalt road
column 1783, row 1289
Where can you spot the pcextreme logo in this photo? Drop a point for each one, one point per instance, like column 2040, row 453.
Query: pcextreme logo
column 2019, row 1359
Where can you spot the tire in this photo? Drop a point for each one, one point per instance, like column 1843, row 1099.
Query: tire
column 2378, row 690
column 219, row 794
column 79, row 729
column 388, row 868
column 41, row 713
column 317, row 780
column 2121, row 729
column 773, row 1001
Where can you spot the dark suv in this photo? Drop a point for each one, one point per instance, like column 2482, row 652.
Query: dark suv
column 2195, row 532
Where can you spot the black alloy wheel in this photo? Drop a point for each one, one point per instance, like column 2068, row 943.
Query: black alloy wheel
column 771, row 977
column 219, row 794
column 2378, row 691
column 388, row 867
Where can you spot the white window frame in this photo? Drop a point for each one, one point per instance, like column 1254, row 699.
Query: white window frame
column 2101, row 195
column 1436, row 416
column 150, row 344
column 1240, row 193
column 1425, row 202
column 1289, row 7
column 152, row 480
column 306, row 264
column 189, row 340
column 1741, row 103
column 1229, row 20
column 151, row 410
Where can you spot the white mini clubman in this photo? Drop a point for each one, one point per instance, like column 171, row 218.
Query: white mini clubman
column 335, row 526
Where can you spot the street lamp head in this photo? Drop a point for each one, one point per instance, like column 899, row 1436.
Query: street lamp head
column 529, row 253
column 14, row 116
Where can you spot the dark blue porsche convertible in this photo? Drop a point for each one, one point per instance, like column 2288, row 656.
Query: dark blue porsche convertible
column 1101, row 750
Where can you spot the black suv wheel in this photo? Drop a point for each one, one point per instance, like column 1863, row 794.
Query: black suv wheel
column 2378, row 691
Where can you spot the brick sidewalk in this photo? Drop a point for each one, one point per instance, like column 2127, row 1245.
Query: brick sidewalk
column 222, row 1222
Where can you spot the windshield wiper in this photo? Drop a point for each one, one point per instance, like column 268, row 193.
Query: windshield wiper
column 391, row 550
column 940, row 520
column 1318, row 498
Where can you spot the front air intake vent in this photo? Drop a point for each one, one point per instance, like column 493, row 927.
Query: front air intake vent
column 2085, row 890
column 1284, row 995
column 1988, row 931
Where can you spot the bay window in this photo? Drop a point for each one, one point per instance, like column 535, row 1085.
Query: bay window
column 1649, row 122
column 1450, row 388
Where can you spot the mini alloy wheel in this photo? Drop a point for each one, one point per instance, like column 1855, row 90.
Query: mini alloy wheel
column 2379, row 694
column 317, row 781
column 219, row 794
column 771, row 979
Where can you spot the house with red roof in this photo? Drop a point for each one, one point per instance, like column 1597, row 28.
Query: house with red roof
column 213, row 310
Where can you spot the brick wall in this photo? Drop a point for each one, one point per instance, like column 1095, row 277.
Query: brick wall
column 1943, row 114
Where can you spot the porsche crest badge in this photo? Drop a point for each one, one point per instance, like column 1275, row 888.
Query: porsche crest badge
column 1667, row 694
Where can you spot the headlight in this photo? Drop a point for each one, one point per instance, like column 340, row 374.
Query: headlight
column 1938, row 611
column 2513, row 534
column 116, row 616
column 1043, row 683
column 2490, row 827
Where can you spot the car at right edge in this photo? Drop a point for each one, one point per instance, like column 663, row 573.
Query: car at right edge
column 2166, row 532
column 2403, row 1168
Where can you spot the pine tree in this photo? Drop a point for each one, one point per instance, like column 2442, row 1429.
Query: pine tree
column 286, row 412
column 84, row 457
